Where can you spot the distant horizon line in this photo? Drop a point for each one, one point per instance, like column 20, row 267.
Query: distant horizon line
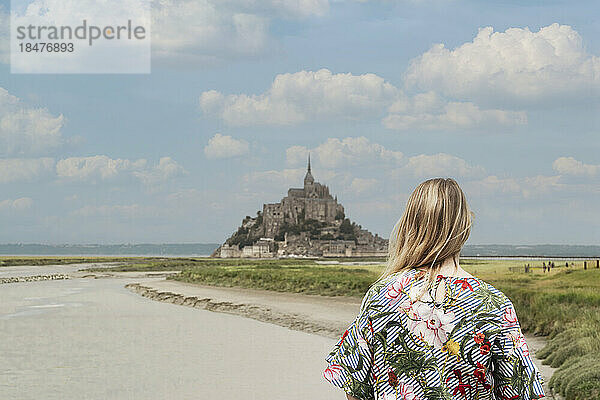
column 219, row 243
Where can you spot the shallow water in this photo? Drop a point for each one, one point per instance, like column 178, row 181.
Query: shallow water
column 30, row 270
column 93, row 339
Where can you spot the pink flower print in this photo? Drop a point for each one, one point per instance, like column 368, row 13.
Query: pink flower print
column 406, row 305
column 406, row 392
column 362, row 343
column 333, row 372
column 403, row 392
column 394, row 291
column 523, row 345
column 518, row 342
column 514, row 337
column 432, row 324
column 509, row 317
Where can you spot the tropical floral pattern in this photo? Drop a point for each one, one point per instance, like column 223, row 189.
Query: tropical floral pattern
column 405, row 347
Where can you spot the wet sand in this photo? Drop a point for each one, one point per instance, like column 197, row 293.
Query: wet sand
column 93, row 339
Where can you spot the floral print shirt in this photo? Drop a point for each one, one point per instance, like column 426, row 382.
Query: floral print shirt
column 468, row 346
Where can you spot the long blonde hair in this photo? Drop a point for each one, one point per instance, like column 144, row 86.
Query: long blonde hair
column 435, row 225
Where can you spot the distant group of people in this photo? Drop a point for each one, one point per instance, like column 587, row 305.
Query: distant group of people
column 550, row 265
column 546, row 266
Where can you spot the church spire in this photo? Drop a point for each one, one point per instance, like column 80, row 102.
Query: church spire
column 308, row 178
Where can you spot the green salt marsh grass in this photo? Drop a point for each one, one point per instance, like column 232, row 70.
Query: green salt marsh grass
column 185, row 263
column 326, row 280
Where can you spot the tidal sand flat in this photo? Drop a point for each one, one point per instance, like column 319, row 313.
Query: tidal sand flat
column 93, row 339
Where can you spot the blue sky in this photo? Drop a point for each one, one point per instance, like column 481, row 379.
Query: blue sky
column 242, row 90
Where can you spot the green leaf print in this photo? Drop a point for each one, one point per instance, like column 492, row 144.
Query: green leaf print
column 381, row 337
column 437, row 393
column 383, row 314
column 519, row 376
column 361, row 390
column 411, row 363
column 489, row 300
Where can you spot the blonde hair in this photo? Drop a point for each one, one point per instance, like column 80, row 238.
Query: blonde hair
column 435, row 225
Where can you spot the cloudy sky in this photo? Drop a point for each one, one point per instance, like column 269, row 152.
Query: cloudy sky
column 503, row 96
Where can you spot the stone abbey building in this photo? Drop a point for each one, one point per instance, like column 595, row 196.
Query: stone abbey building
column 307, row 222
column 313, row 201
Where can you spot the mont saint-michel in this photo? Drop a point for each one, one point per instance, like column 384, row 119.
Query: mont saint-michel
column 309, row 222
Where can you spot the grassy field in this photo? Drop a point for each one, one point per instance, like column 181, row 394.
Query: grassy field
column 172, row 264
column 563, row 304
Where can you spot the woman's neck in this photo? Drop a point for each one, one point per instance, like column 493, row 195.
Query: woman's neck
column 451, row 267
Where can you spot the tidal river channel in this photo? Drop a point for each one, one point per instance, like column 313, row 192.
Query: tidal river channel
column 87, row 338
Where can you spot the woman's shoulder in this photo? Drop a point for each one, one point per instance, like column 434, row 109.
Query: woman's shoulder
column 394, row 283
column 492, row 289
column 487, row 298
column 405, row 275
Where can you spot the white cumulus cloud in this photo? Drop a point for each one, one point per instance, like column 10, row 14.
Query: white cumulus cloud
column 441, row 165
column 309, row 96
column 224, row 146
column 166, row 169
column 540, row 184
column 27, row 130
column 209, row 31
column 94, row 168
column 571, row 166
column 98, row 168
column 20, row 204
column 24, row 169
column 429, row 111
column 493, row 185
column 517, row 64
column 336, row 152
column 304, row 96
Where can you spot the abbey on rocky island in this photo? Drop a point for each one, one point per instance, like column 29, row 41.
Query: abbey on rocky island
column 309, row 222
column 313, row 201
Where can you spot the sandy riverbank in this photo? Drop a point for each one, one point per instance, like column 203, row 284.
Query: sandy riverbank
column 321, row 315
column 94, row 339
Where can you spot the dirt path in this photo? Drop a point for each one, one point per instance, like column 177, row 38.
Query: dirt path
column 326, row 316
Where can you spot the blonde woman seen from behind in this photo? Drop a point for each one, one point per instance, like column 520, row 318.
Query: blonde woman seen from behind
column 427, row 329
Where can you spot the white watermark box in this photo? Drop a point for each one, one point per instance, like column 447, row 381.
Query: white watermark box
column 80, row 36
